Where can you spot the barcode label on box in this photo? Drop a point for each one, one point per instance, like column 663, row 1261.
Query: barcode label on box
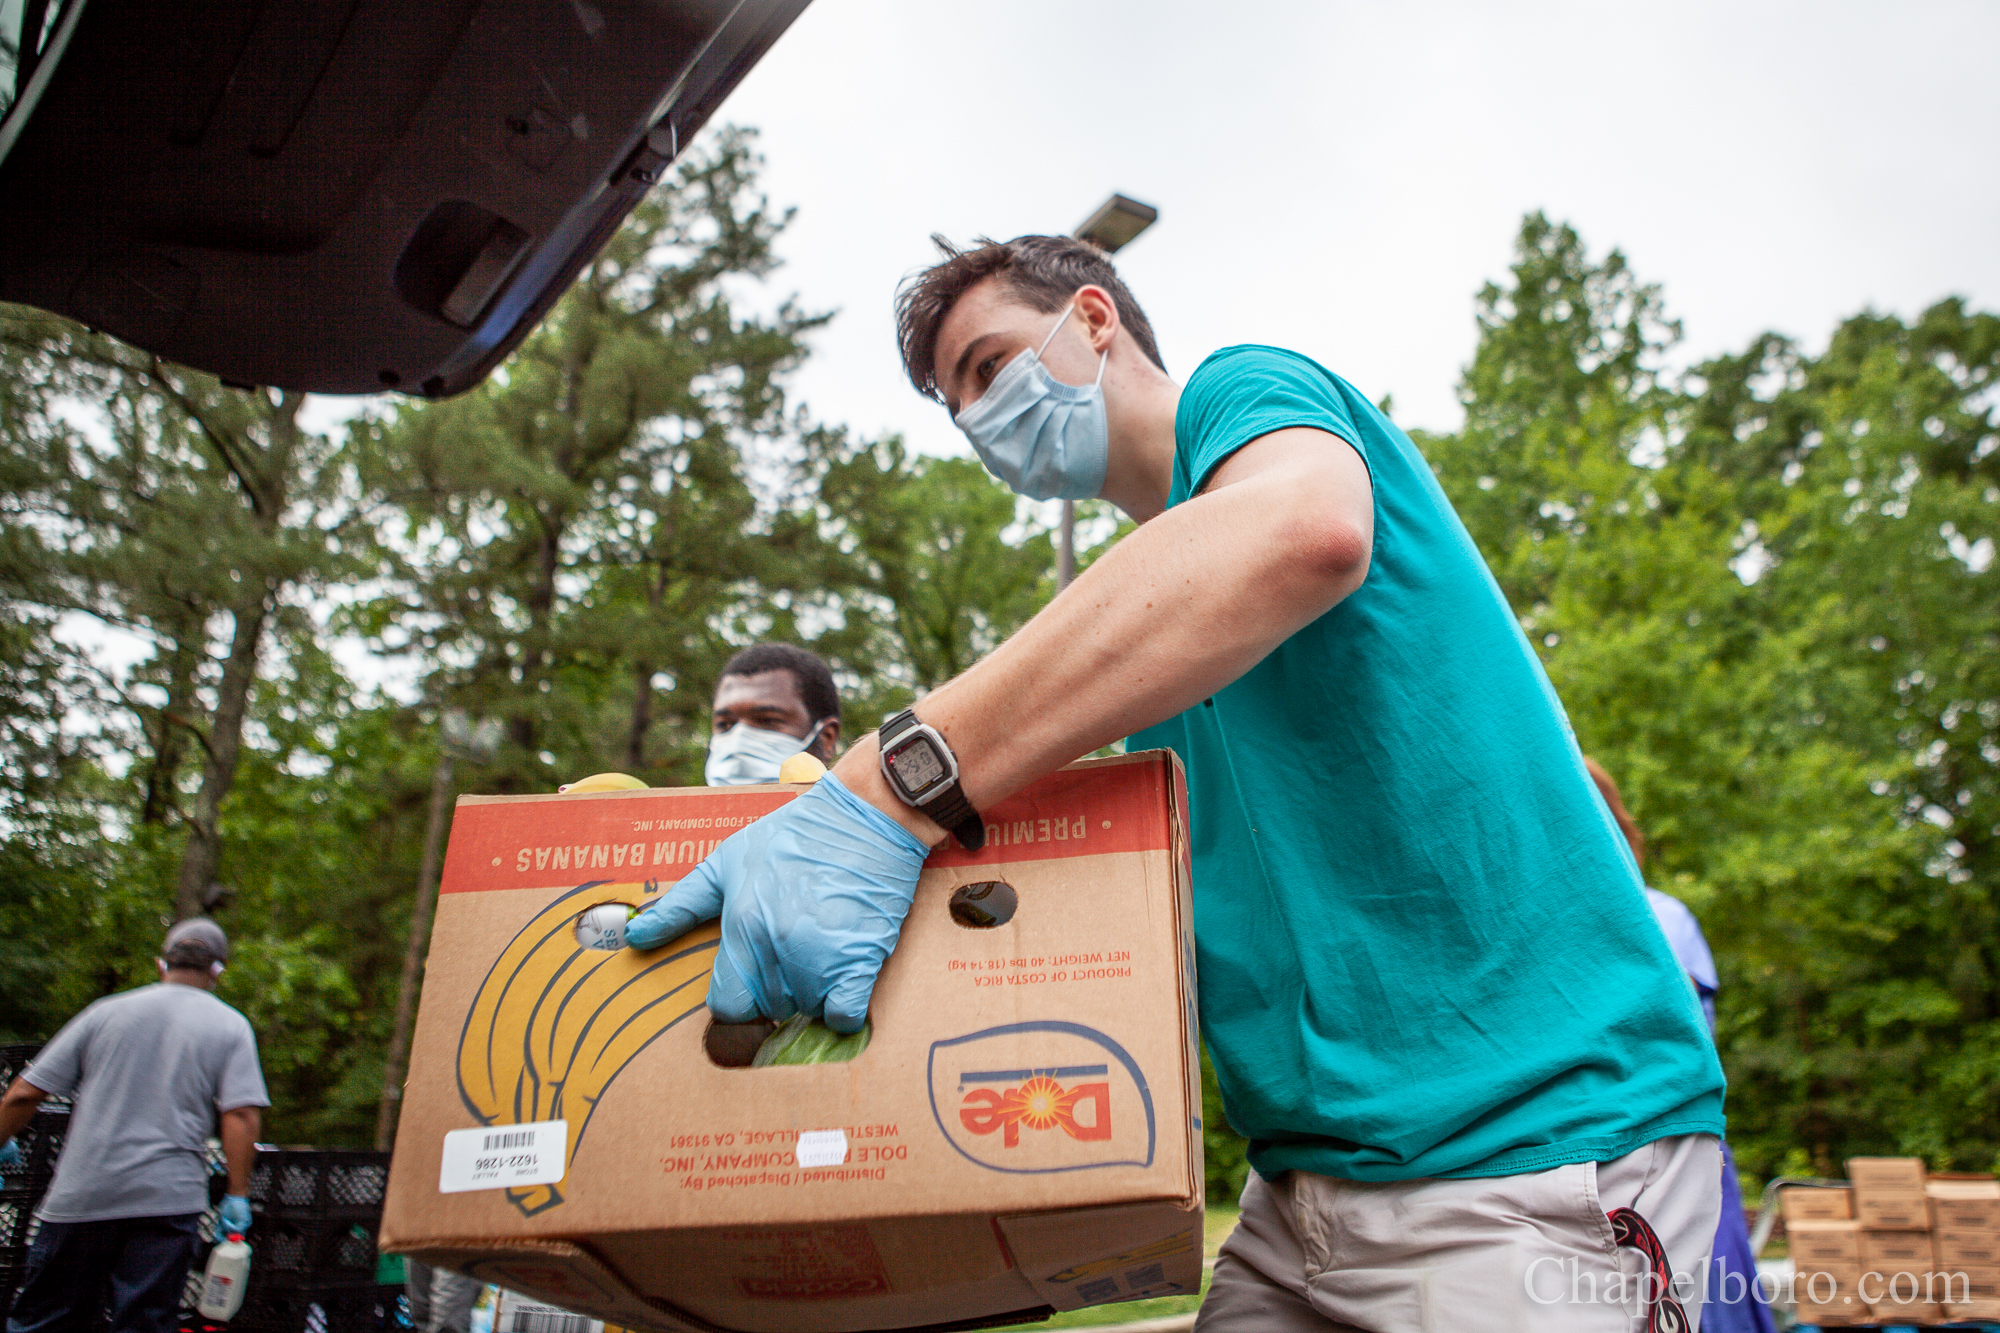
column 822, row 1147
column 518, row 1314
column 549, row 1321
column 503, row 1156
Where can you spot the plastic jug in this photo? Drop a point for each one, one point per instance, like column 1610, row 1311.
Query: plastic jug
column 227, row 1274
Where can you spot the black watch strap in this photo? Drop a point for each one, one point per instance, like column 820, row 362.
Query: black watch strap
column 948, row 808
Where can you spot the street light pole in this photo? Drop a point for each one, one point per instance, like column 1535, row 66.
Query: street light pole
column 1114, row 224
column 1066, row 546
column 461, row 740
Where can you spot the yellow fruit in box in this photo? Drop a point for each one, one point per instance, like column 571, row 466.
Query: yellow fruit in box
column 802, row 767
column 602, row 782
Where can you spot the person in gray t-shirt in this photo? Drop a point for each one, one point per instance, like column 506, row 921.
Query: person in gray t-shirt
column 152, row 1073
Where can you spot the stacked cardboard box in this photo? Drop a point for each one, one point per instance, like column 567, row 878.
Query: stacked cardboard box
column 1816, row 1203
column 1826, row 1255
column 1889, row 1193
column 1965, row 1222
column 1899, row 1274
column 1895, row 1246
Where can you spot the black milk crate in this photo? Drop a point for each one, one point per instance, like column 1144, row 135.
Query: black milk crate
column 25, row 1187
column 13, row 1272
column 17, row 1221
column 292, row 1252
column 320, row 1183
column 394, row 1299
column 310, row 1309
column 15, row 1057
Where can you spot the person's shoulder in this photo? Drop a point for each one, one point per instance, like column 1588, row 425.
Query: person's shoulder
column 111, row 1014
column 1684, row 935
column 1259, row 358
column 1666, row 905
column 1250, row 382
column 228, row 1013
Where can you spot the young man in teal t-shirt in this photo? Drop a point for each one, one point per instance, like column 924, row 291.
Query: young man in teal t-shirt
column 1479, row 1092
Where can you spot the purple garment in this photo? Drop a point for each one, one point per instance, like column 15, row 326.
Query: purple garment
column 1734, row 1302
column 1690, row 948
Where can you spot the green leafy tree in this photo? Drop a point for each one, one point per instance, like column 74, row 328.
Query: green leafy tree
column 584, row 528
column 51, row 866
column 1759, row 590
column 943, row 565
column 200, row 523
column 1872, row 1015
column 329, row 810
column 195, row 517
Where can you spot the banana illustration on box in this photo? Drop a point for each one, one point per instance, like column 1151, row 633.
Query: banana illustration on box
column 555, row 1022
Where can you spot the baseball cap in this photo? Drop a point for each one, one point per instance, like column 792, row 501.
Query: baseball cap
column 195, row 942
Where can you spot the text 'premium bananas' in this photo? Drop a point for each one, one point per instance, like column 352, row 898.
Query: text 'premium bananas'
column 554, row 1021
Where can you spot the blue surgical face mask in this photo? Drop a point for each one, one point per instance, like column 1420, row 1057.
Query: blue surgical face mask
column 745, row 754
column 1047, row 440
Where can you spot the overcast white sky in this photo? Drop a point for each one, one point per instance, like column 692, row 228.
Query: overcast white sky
column 1341, row 177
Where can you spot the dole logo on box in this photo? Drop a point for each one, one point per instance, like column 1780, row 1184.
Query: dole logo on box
column 1040, row 1097
column 1039, row 1103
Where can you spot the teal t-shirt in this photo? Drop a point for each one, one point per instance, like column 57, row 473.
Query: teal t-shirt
column 1424, row 947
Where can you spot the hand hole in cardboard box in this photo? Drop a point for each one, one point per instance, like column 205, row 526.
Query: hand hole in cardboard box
column 734, row 1045
column 984, row 905
column 796, row 1041
column 602, row 925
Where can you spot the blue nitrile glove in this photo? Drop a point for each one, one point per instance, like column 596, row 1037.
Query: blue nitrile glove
column 812, row 897
column 232, row 1217
column 10, row 1155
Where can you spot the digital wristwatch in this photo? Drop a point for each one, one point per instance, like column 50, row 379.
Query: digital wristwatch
column 923, row 771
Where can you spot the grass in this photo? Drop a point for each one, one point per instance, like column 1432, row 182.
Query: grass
column 1125, row 1312
column 1220, row 1222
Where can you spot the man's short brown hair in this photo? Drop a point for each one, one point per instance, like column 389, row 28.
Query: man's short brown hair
column 1042, row 272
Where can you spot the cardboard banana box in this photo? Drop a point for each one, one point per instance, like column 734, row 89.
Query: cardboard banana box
column 1021, row 1135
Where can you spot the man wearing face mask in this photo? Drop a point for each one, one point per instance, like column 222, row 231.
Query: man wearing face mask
column 152, row 1072
column 773, row 701
column 1476, row 1088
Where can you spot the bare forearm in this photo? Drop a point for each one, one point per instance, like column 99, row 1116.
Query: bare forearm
column 1179, row 609
column 239, row 1145
column 17, row 1107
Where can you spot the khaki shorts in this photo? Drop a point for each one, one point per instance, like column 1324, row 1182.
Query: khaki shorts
column 1534, row 1253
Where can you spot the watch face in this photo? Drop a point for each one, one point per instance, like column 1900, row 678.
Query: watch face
column 916, row 765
